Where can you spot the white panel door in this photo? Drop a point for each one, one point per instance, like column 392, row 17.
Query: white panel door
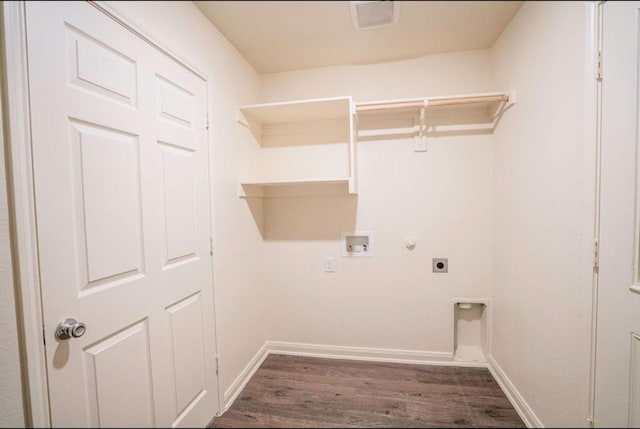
column 617, row 383
column 122, row 208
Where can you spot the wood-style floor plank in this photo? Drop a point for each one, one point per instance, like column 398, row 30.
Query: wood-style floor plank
column 305, row 392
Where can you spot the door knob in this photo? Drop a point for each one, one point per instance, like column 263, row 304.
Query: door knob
column 68, row 328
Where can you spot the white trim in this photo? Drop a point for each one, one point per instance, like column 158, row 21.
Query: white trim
column 636, row 242
column 524, row 410
column 22, row 212
column 211, row 229
column 592, row 149
column 420, row 357
column 140, row 31
column 245, row 375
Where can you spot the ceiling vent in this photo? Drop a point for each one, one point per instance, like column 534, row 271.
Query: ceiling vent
column 372, row 14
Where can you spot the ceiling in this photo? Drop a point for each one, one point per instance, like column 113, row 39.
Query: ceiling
column 278, row 36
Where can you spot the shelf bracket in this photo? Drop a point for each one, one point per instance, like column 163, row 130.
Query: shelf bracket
column 423, row 118
column 420, row 143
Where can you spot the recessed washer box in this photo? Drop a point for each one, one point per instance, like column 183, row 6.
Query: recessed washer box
column 357, row 244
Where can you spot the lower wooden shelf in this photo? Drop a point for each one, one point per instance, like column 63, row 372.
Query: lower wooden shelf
column 291, row 187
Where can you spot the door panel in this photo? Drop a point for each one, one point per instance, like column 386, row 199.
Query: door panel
column 100, row 69
column 187, row 355
column 120, row 360
column 176, row 103
column 111, row 200
column 618, row 319
column 122, row 195
column 179, row 208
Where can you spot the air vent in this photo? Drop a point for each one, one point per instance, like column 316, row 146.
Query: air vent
column 372, row 14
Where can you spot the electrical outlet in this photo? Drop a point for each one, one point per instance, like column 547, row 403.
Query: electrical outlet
column 329, row 264
column 440, row 265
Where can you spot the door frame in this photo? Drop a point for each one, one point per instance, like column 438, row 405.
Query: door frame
column 14, row 88
column 22, row 221
column 596, row 114
column 634, row 287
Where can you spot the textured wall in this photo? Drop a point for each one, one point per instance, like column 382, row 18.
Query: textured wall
column 10, row 383
column 541, row 291
column 441, row 197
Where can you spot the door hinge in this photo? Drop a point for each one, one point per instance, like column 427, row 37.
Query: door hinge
column 599, row 66
column 44, row 337
column 210, row 246
column 207, row 120
column 217, row 366
column 596, row 254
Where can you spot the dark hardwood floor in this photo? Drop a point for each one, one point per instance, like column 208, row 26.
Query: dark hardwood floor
column 294, row 391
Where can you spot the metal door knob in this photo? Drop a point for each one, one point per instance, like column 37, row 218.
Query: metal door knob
column 68, row 328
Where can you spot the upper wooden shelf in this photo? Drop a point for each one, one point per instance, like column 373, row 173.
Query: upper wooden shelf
column 302, row 144
column 298, row 111
column 482, row 100
column 437, row 114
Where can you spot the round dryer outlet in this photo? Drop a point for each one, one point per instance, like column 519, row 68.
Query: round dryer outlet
column 440, row 265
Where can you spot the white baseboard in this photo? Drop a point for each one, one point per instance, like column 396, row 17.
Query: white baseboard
column 524, row 410
column 338, row 352
column 241, row 381
column 367, row 354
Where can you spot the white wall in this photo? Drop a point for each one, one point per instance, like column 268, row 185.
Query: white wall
column 541, row 289
column 442, row 198
column 239, row 289
column 442, row 74
column 12, row 414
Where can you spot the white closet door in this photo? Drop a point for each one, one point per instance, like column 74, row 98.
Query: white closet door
column 617, row 384
column 122, row 200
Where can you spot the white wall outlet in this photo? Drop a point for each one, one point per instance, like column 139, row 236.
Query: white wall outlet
column 329, row 264
column 420, row 144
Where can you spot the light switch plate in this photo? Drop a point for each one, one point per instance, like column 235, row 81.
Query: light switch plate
column 420, row 144
column 329, row 264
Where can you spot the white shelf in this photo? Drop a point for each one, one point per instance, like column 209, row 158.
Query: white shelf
column 301, row 143
column 312, row 142
column 326, row 181
column 434, row 116
column 294, row 187
column 299, row 111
